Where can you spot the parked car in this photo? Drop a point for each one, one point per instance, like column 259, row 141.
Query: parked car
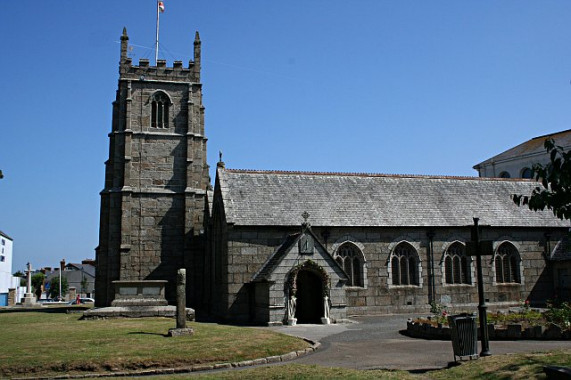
column 53, row 301
column 81, row 301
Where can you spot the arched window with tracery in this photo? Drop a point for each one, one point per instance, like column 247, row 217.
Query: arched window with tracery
column 506, row 262
column 404, row 265
column 457, row 265
column 350, row 258
column 160, row 110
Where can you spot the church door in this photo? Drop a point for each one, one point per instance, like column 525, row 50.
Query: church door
column 309, row 297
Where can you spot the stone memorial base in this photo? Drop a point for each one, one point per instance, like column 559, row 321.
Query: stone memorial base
column 136, row 312
column 138, row 299
column 180, row 331
column 139, row 293
column 29, row 300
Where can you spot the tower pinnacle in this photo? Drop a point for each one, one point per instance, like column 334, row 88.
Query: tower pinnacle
column 124, row 45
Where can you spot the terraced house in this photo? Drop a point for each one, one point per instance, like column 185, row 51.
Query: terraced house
column 273, row 247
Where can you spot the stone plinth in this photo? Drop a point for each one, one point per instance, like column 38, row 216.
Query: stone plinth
column 139, row 293
column 136, row 312
column 29, row 300
column 138, row 299
column 180, row 331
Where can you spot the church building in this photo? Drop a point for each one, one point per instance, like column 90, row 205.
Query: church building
column 275, row 247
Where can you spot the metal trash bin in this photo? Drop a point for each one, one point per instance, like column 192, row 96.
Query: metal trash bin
column 464, row 334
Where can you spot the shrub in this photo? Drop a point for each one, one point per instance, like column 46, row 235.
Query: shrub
column 559, row 314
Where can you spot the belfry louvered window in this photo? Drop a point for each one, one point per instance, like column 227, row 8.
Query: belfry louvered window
column 351, row 260
column 457, row 265
column 404, row 265
column 506, row 263
column 160, row 110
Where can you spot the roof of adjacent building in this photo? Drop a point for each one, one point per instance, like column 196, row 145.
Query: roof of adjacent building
column 531, row 147
column 6, row 236
column 87, row 269
column 273, row 198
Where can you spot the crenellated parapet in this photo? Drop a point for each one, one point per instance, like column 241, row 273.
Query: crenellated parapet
column 144, row 71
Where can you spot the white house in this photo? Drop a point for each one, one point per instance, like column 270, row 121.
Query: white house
column 517, row 162
column 7, row 281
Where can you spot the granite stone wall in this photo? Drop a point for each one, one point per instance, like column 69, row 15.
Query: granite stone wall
column 248, row 248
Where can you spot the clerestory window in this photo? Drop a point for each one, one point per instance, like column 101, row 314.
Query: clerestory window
column 160, row 110
column 404, row 265
column 351, row 260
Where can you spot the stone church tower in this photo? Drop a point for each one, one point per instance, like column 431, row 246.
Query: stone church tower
column 156, row 177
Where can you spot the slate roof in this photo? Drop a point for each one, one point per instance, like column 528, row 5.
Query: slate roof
column 270, row 198
column 88, row 269
column 266, row 271
column 530, row 148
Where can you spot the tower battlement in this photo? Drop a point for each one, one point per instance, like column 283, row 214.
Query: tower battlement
column 162, row 72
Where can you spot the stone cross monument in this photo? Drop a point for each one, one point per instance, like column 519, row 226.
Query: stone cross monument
column 29, row 298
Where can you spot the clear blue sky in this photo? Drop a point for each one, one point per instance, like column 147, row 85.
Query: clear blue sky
column 420, row 87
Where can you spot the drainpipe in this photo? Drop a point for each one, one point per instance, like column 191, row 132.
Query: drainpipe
column 432, row 296
column 547, row 251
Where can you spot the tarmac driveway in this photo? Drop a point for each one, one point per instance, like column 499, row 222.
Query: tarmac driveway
column 375, row 343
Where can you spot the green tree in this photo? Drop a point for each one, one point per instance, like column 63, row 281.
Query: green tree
column 22, row 277
column 37, row 282
column 83, row 285
column 54, row 287
column 555, row 178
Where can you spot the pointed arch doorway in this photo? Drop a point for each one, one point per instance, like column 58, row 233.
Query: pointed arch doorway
column 309, row 297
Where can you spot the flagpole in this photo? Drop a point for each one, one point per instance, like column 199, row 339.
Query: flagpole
column 157, row 37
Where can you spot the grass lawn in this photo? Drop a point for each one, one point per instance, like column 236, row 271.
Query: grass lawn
column 36, row 343
column 500, row 367
column 48, row 344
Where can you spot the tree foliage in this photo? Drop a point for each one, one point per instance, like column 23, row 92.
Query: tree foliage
column 54, row 287
column 19, row 274
column 38, row 280
column 555, row 178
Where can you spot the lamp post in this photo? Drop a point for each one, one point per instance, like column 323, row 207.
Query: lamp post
column 61, row 265
column 481, row 248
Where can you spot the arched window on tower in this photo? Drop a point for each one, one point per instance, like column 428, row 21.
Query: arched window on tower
column 404, row 265
column 457, row 265
column 351, row 259
column 160, row 110
column 506, row 262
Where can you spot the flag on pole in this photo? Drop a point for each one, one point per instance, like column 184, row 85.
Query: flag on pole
column 161, row 6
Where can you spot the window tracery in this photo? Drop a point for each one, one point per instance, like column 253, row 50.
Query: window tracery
column 160, row 110
column 350, row 258
column 404, row 265
column 506, row 262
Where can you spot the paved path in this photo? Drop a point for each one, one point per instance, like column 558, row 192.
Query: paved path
column 375, row 343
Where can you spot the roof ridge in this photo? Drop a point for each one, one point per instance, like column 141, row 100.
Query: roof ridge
column 381, row 175
column 551, row 134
